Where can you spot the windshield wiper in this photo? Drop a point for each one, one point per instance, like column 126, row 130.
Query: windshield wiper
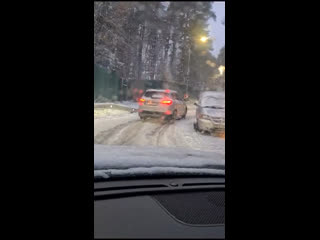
column 154, row 172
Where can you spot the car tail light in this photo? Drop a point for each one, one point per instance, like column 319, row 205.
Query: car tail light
column 167, row 101
column 141, row 101
column 168, row 112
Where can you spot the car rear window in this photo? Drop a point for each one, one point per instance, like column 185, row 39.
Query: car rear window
column 155, row 95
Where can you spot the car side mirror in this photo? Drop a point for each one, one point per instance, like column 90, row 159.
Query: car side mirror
column 196, row 104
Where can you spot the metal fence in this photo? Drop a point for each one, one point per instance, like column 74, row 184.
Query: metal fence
column 109, row 85
column 106, row 84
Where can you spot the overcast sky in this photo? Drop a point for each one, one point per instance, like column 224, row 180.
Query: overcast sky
column 216, row 28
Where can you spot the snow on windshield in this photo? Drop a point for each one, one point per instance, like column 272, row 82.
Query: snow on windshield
column 153, row 171
column 124, row 157
column 128, row 161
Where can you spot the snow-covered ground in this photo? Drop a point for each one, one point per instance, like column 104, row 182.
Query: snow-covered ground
column 108, row 113
column 127, row 129
column 130, row 104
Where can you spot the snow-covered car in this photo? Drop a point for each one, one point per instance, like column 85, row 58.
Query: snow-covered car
column 210, row 112
column 162, row 103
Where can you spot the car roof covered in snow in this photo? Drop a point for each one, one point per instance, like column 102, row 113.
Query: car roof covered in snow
column 161, row 90
column 215, row 94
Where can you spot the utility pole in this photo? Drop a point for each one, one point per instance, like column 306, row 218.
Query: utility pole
column 188, row 73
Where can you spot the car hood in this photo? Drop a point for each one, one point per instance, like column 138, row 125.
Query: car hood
column 218, row 113
column 133, row 160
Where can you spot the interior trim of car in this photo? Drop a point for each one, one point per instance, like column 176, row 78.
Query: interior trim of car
column 160, row 208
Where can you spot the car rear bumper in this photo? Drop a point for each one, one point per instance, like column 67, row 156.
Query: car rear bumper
column 158, row 108
column 155, row 110
column 150, row 113
column 208, row 125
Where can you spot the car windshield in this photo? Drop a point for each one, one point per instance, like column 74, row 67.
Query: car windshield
column 154, row 62
column 213, row 102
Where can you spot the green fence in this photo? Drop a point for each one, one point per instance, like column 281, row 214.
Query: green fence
column 106, row 84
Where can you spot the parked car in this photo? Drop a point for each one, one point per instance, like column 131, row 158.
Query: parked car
column 210, row 112
column 162, row 103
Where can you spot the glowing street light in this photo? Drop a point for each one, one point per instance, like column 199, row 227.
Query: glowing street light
column 203, row 39
column 221, row 69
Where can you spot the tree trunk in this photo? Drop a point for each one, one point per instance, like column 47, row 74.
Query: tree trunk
column 140, row 52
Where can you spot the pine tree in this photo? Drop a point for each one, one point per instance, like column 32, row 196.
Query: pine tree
column 146, row 40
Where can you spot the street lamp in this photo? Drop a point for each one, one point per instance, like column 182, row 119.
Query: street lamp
column 203, row 39
column 188, row 70
column 221, row 69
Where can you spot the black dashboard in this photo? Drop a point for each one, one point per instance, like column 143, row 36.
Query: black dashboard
column 160, row 208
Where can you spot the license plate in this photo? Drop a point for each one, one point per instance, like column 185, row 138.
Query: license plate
column 149, row 102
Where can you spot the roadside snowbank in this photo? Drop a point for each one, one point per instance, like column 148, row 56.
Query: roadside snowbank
column 108, row 112
column 125, row 104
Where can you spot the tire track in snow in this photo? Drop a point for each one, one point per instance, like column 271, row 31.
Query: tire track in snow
column 104, row 137
column 158, row 133
column 161, row 135
column 129, row 134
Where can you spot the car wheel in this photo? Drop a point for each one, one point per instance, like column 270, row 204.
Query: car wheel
column 143, row 118
column 185, row 113
column 173, row 117
column 195, row 126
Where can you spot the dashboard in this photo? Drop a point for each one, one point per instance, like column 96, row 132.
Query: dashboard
column 160, row 208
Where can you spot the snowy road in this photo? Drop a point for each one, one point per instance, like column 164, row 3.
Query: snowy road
column 128, row 129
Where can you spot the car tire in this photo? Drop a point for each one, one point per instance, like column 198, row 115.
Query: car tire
column 173, row 117
column 185, row 113
column 196, row 127
column 143, row 118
